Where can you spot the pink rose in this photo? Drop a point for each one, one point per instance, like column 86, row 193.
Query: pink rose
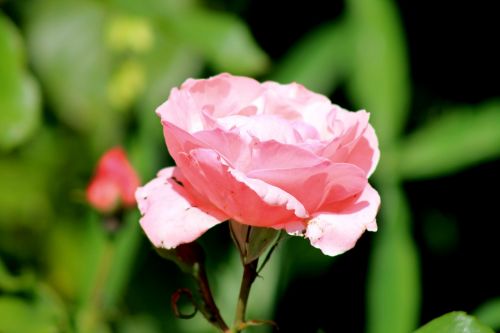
column 265, row 155
column 114, row 183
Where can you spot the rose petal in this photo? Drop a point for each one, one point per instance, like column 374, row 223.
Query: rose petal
column 240, row 153
column 335, row 233
column 169, row 217
column 221, row 95
column 246, row 200
column 356, row 141
column 366, row 153
column 230, row 94
column 318, row 186
column 262, row 128
column 273, row 155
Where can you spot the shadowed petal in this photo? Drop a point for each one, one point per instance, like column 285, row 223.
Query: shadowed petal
column 246, row 200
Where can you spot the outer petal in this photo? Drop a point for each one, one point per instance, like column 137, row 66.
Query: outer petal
column 169, row 216
column 220, row 95
column 335, row 233
column 248, row 201
column 228, row 93
column 366, row 153
column 356, row 142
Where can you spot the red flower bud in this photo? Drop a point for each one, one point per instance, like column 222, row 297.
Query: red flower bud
column 114, row 182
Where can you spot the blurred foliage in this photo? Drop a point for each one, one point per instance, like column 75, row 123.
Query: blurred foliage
column 79, row 76
column 489, row 313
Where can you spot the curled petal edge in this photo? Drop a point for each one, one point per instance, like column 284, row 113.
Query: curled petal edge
column 336, row 233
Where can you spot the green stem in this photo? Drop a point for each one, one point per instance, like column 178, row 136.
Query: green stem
column 249, row 275
column 91, row 314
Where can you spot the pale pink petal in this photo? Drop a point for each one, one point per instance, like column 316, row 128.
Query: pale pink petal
column 219, row 96
column 228, row 94
column 181, row 110
column 247, row 201
column 335, row 233
column 356, row 141
column 293, row 96
column 169, row 217
column 365, row 153
column 263, row 128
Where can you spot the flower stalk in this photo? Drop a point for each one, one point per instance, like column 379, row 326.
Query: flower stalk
column 249, row 275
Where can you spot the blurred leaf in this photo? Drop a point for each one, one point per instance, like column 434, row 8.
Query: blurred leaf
column 67, row 46
column 454, row 322
column 138, row 324
column 461, row 137
column 393, row 281
column 224, row 39
column 167, row 66
column 24, row 200
column 155, row 8
column 379, row 79
column 489, row 313
column 19, row 93
column 42, row 314
column 126, row 245
column 96, row 258
column 64, row 258
column 30, row 180
column 320, row 60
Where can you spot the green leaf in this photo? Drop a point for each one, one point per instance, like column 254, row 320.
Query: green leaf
column 379, row 79
column 42, row 313
column 320, row 60
column 461, row 137
column 19, row 93
column 393, row 280
column 489, row 313
column 224, row 39
column 454, row 322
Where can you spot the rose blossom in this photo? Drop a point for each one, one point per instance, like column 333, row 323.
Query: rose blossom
column 114, row 182
column 265, row 155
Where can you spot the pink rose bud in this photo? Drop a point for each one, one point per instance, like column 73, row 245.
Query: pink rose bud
column 264, row 155
column 114, row 183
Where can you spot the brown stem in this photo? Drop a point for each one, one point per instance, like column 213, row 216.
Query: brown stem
column 209, row 308
column 249, row 275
